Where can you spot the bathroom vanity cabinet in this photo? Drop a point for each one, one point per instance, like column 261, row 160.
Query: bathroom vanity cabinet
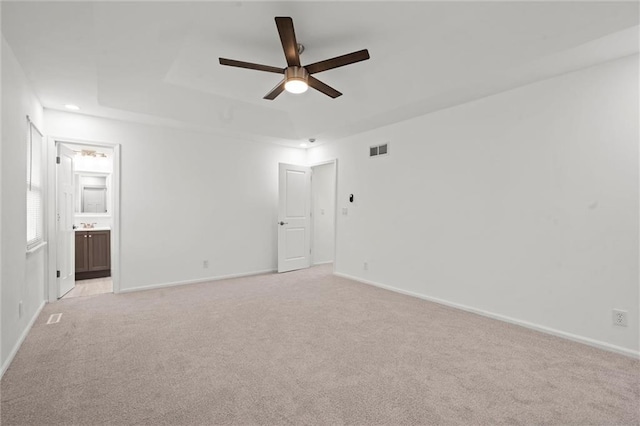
column 93, row 254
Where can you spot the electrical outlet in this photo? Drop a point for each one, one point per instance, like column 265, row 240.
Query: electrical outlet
column 620, row 317
column 366, row 266
column 345, row 211
column 205, row 264
column 20, row 309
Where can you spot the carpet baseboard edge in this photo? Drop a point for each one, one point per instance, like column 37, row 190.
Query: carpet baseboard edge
column 555, row 332
column 25, row 332
column 196, row 281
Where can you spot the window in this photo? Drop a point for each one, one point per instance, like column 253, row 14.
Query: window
column 35, row 204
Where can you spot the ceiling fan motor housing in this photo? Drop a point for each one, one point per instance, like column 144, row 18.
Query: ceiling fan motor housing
column 296, row 73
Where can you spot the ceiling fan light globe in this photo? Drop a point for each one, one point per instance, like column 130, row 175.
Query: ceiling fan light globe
column 296, row 86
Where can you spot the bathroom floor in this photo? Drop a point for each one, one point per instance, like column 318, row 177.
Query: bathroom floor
column 91, row 287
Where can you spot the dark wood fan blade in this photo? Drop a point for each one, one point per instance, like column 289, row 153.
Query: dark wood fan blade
column 321, row 87
column 275, row 91
column 288, row 39
column 249, row 65
column 338, row 61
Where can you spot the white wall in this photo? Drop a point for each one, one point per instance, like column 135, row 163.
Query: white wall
column 522, row 205
column 187, row 197
column 323, row 201
column 22, row 274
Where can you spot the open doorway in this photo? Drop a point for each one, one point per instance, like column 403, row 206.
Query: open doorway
column 85, row 219
column 323, row 218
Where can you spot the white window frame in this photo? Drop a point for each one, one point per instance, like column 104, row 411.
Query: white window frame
column 35, row 186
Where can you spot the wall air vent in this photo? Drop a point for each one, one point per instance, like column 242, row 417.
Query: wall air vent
column 378, row 150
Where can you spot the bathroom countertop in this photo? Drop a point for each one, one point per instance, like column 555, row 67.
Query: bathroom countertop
column 97, row 228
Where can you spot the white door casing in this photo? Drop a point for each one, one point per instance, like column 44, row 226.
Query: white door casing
column 294, row 217
column 64, row 217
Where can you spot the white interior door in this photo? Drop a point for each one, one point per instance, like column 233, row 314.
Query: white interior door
column 294, row 217
column 65, row 215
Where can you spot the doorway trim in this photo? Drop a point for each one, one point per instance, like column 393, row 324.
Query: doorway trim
column 333, row 161
column 51, row 290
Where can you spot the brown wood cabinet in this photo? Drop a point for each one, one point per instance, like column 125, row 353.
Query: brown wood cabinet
column 93, row 254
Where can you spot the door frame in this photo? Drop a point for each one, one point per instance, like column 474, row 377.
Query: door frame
column 51, row 290
column 333, row 161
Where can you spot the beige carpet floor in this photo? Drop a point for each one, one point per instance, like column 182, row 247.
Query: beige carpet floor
column 303, row 348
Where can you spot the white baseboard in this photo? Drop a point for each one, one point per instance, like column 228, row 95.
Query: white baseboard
column 574, row 337
column 322, row 263
column 196, row 281
column 23, row 336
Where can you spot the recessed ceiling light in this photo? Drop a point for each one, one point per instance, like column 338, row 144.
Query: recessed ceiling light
column 303, row 145
column 72, row 107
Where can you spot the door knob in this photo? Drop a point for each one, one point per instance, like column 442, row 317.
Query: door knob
column 283, row 223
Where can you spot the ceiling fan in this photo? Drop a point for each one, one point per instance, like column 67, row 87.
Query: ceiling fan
column 296, row 77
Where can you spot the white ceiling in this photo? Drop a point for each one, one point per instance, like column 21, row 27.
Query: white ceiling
column 157, row 62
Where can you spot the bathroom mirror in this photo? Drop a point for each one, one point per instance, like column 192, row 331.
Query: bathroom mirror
column 92, row 193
